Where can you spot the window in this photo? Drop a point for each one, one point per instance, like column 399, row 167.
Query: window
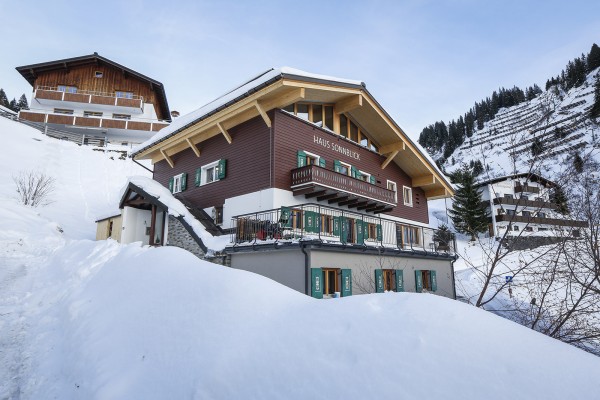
column 218, row 215
column 121, row 116
column 428, row 280
column 508, row 196
column 510, row 212
column 407, row 194
column 124, row 95
column 63, row 111
column 98, row 74
column 363, row 176
column 407, row 235
column 178, row 183
column 302, row 111
column 67, row 89
column 209, row 173
column 296, row 219
column 389, row 280
column 516, row 228
column 527, row 214
column 394, row 188
column 524, row 197
column 541, row 215
column 542, row 229
column 320, row 114
column 327, row 224
column 372, row 232
column 330, row 281
column 92, row 114
column 345, row 169
column 528, row 229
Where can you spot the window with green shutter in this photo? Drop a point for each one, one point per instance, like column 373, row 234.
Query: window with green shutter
column 301, row 158
column 316, row 278
column 322, row 162
column 222, row 173
column 372, row 180
column 285, row 217
column 184, row 181
column 337, row 166
column 379, row 233
column 399, row 280
column 171, row 185
column 379, row 281
column 360, row 231
column 198, row 178
column 418, row 281
column 354, row 172
column 433, row 281
column 311, row 221
column 346, row 282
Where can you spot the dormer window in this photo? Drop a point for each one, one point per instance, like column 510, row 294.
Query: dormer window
column 98, row 74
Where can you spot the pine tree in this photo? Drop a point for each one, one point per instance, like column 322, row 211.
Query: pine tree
column 559, row 198
column 469, row 213
column 22, row 103
column 578, row 163
column 3, row 99
column 537, row 147
column 593, row 58
column 13, row 104
column 595, row 110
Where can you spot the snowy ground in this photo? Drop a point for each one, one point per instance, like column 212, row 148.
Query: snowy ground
column 97, row 320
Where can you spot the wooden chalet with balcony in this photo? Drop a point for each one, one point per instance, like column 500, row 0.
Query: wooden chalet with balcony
column 96, row 97
column 314, row 181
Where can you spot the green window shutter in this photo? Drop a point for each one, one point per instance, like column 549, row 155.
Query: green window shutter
column 317, row 228
column 316, row 279
column 183, row 181
column 379, row 233
column 399, row 280
column 354, row 171
column 360, row 232
column 346, row 282
column 433, row 280
column 366, row 229
column 301, row 156
column 343, row 229
column 372, row 179
column 379, row 281
column 418, row 281
column 322, row 162
column 171, row 185
column 222, row 168
column 337, row 166
column 285, row 217
column 310, row 221
column 198, row 176
column 336, row 226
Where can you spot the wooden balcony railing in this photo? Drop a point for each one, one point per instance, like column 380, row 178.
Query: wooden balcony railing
column 535, row 204
column 88, row 96
column 93, row 122
column 526, row 189
column 540, row 220
column 331, row 180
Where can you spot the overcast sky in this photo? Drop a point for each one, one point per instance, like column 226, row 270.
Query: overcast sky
column 422, row 60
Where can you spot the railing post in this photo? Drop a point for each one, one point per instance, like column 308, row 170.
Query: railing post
column 319, row 222
column 83, row 139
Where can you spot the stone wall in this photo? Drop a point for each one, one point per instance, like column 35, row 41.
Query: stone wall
column 179, row 236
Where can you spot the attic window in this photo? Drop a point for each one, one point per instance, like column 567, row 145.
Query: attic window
column 98, row 74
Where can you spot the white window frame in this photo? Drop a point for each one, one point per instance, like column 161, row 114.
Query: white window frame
column 366, row 175
column 90, row 114
column 387, row 185
column 63, row 111
column 204, row 168
column 348, row 167
column 312, row 155
column 177, row 179
column 124, row 117
column 407, row 201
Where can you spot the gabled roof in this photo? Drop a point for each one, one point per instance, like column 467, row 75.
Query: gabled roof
column 30, row 73
column 529, row 176
column 279, row 87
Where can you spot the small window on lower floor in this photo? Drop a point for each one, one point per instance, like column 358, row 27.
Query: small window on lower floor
column 528, row 229
column 121, row 116
column 178, row 183
column 218, row 215
column 63, row 111
column 516, row 228
column 331, row 282
column 92, row 114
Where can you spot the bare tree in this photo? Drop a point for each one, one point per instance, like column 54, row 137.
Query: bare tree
column 34, row 187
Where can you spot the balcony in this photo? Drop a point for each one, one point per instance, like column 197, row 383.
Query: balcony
column 336, row 226
column 534, row 204
column 90, row 97
column 526, row 189
column 313, row 181
column 91, row 122
column 543, row 221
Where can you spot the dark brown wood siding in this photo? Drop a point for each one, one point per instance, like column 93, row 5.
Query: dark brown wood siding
column 248, row 164
column 293, row 134
column 113, row 79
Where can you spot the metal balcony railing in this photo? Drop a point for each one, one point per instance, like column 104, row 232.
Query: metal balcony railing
column 333, row 225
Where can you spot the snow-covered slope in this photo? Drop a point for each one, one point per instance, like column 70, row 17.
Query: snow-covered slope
column 82, row 320
column 559, row 120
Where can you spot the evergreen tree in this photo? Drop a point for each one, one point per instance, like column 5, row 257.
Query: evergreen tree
column 469, row 213
column 22, row 103
column 593, row 58
column 559, row 198
column 3, row 99
column 595, row 110
column 537, row 147
column 578, row 163
column 13, row 104
column 443, row 237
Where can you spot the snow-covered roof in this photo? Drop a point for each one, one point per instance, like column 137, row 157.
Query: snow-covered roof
column 106, row 216
column 529, row 175
column 232, row 96
column 176, row 209
column 7, row 110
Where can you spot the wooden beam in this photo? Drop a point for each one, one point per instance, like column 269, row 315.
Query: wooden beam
column 315, row 194
column 425, row 180
column 389, row 159
column 193, row 147
column 224, row 132
column 436, row 193
column 291, row 96
column 327, row 196
column 389, row 148
column 338, row 199
column 348, row 103
column 169, row 160
column 262, row 113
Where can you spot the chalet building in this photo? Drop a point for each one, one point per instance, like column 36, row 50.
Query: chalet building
column 522, row 203
column 96, row 98
column 315, row 184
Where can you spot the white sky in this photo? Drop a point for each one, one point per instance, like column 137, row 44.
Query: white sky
column 423, row 60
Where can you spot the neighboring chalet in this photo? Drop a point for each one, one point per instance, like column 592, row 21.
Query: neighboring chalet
column 523, row 203
column 96, row 98
column 316, row 184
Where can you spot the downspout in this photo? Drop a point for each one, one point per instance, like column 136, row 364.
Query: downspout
column 306, row 268
column 453, row 278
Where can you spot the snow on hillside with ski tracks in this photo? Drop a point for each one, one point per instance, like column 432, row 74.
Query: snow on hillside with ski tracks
column 81, row 319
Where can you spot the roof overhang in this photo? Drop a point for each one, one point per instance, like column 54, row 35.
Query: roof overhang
column 284, row 89
column 31, row 72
